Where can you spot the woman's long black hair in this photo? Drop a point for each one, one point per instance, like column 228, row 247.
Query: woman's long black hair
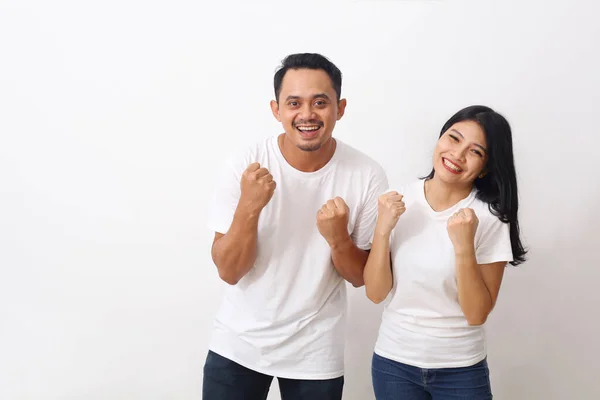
column 498, row 187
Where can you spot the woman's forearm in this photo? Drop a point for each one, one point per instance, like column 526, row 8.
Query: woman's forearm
column 378, row 271
column 473, row 295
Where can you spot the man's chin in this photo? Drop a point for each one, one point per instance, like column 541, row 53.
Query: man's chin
column 309, row 147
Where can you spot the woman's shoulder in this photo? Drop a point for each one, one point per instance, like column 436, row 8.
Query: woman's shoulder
column 411, row 191
column 408, row 188
column 484, row 213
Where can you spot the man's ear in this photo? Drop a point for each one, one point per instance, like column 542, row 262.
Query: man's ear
column 275, row 110
column 341, row 108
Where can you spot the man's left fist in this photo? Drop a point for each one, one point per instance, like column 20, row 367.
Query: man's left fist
column 332, row 221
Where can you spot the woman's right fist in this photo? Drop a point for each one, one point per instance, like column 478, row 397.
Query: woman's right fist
column 389, row 209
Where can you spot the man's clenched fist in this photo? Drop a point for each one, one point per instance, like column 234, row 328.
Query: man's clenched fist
column 332, row 221
column 257, row 187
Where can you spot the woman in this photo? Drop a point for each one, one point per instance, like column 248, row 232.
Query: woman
column 438, row 255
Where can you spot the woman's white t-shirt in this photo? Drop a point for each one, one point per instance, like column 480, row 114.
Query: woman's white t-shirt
column 422, row 323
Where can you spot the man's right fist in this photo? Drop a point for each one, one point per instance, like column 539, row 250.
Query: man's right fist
column 389, row 209
column 257, row 187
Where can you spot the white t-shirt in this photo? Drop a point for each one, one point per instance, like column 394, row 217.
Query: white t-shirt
column 286, row 316
column 422, row 323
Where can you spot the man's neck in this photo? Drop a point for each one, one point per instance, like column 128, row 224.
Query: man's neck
column 306, row 161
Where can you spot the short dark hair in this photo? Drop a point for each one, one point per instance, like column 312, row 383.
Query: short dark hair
column 498, row 187
column 308, row 61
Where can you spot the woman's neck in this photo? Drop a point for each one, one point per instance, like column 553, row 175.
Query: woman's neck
column 441, row 195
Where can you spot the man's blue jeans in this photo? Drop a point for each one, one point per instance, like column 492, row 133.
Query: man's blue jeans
column 227, row 380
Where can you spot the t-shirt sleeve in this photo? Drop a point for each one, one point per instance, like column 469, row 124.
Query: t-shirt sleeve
column 494, row 243
column 226, row 194
column 362, row 235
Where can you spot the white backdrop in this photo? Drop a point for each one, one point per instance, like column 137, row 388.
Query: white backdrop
column 114, row 115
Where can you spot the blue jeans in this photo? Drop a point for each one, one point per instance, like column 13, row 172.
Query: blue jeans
column 397, row 381
column 227, row 380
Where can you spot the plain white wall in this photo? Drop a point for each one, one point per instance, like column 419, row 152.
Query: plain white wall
column 114, row 115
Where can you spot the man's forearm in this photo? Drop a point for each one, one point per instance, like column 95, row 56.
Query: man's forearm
column 234, row 254
column 349, row 261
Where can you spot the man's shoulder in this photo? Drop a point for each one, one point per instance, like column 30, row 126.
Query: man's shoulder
column 246, row 153
column 256, row 147
column 357, row 159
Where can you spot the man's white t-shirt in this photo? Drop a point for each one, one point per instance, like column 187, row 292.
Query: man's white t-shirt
column 422, row 323
column 286, row 316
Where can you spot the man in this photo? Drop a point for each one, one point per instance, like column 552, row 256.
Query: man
column 293, row 218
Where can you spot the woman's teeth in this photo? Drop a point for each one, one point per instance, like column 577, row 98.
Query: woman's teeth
column 452, row 166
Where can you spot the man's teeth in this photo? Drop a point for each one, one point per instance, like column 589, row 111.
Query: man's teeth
column 452, row 166
column 308, row 128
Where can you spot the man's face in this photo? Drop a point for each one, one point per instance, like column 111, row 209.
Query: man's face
column 308, row 108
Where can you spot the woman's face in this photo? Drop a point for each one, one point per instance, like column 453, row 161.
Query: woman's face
column 460, row 155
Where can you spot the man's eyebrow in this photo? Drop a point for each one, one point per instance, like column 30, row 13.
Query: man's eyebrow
column 324, row 95
column 316, row 96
